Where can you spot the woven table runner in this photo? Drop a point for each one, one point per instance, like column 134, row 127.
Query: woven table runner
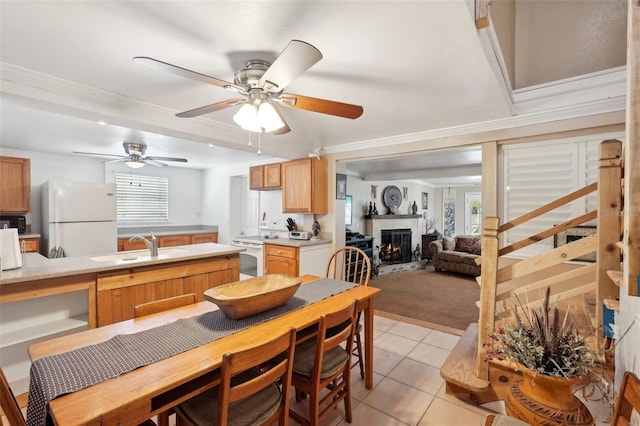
column 71, row 371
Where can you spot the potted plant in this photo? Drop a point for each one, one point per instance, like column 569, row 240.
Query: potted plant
column 554, row 361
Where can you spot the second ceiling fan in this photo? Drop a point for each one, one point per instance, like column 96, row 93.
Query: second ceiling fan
column 260, row 86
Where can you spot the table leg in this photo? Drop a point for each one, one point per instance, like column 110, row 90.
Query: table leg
column 368, row 345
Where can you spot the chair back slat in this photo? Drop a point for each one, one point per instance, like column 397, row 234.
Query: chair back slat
column 349, row 264
column 628, row 400
column 156, row 306
column 9, row 403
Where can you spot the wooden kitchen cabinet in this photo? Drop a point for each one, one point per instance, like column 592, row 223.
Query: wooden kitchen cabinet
column 204, row 238
column 265, row 177
column 280, row 260
column 304, row 186
column 119, row 291
column 15, row 186
column 167, row 241
column 174, row 240
column 31, row 245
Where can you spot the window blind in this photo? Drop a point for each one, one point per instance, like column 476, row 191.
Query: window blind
column 536, row 174
column 142, row 198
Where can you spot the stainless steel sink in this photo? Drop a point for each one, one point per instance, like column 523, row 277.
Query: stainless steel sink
column 137, row 254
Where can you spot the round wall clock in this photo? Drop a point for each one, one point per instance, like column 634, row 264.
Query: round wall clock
column 392, row 197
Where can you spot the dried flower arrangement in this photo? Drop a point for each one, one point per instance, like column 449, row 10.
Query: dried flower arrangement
column 539, row 341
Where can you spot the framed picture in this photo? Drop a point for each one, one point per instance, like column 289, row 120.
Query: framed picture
column 425, row 200
column 341, row 186
column 573, row 234
column 348, row 210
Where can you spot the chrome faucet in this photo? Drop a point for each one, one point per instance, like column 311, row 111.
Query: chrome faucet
column 151, row 245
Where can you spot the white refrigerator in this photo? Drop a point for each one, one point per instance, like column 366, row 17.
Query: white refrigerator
column 79, row 218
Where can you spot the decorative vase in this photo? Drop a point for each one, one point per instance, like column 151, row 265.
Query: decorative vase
column 414, row 208
column 545, row 400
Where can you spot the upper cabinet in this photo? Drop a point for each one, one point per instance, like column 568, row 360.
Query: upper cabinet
column 304, row 186
column 15, row 189
column 265, row 177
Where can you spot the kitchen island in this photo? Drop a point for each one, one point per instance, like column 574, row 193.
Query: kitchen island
column 51, row 297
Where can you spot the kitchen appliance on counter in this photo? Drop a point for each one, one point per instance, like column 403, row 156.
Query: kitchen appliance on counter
column 79, row 219
column 10, row 256
column 18, row 222
column 251, row 260
column 300, row 235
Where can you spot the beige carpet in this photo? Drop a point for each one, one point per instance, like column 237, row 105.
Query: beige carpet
column 440, row 300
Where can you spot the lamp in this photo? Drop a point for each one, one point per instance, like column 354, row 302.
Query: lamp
column 262, row 117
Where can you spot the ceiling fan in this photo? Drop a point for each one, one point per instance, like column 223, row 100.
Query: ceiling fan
column 260, row 85
column 135, row 156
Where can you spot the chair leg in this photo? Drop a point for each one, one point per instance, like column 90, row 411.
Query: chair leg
column 359, row 350
column 163, row 418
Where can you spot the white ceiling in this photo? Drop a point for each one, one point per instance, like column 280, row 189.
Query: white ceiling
column 413, row 66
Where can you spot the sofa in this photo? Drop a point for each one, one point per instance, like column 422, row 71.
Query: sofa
column 457, row 254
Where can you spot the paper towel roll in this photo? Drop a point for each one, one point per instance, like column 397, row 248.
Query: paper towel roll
column 10, row 249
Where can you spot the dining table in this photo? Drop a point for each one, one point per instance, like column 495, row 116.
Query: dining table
column 137, row 395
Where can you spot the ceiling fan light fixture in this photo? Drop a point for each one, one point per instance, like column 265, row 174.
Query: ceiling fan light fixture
column 134, row 164
column 269, row 118
column 247, row 118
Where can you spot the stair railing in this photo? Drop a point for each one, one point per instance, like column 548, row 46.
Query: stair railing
column 498, row 284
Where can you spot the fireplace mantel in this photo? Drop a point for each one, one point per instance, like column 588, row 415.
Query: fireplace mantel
column 394, row 216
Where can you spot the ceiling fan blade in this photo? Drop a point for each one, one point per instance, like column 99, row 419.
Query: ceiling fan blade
column 118, row 160
column 97, row 154
column 154, row 158
column 183, row 72
column 210, row 108
column 321, row 105
column 295, row 59
column 153, row 162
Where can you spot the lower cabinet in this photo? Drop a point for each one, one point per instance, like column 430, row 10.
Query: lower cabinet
column 118, row 292
column 296, row 261
column 280, row 260
column 31, row 245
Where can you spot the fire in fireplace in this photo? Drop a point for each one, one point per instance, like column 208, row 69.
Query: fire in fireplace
column 395, row 245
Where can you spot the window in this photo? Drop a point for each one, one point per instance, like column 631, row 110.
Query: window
column 142, row 198
column 472, row 213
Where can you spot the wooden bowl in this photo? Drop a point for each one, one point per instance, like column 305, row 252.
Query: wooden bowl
column 241, row 299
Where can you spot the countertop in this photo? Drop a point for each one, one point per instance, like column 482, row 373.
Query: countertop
column 295, row 243
column 164, row 231
column 38, row 267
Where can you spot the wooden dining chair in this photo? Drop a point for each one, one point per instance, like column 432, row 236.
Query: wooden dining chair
column 628, row 400
column 11, row 408
column 161, row 305
column 9, row 403
column 156, row 306
column 253, row 389
column 322, row 363
column 356, row 269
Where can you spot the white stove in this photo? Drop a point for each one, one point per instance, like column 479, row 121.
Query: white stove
column 251, row 260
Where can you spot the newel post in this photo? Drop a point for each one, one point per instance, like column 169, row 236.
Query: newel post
column 488, row 282
column 609, row 222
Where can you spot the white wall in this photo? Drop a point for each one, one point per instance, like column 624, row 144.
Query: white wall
column 185, row 185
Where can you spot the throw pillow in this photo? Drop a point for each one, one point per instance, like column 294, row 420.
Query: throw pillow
column 448, row 243
column 465, row 243
column 477, row 247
